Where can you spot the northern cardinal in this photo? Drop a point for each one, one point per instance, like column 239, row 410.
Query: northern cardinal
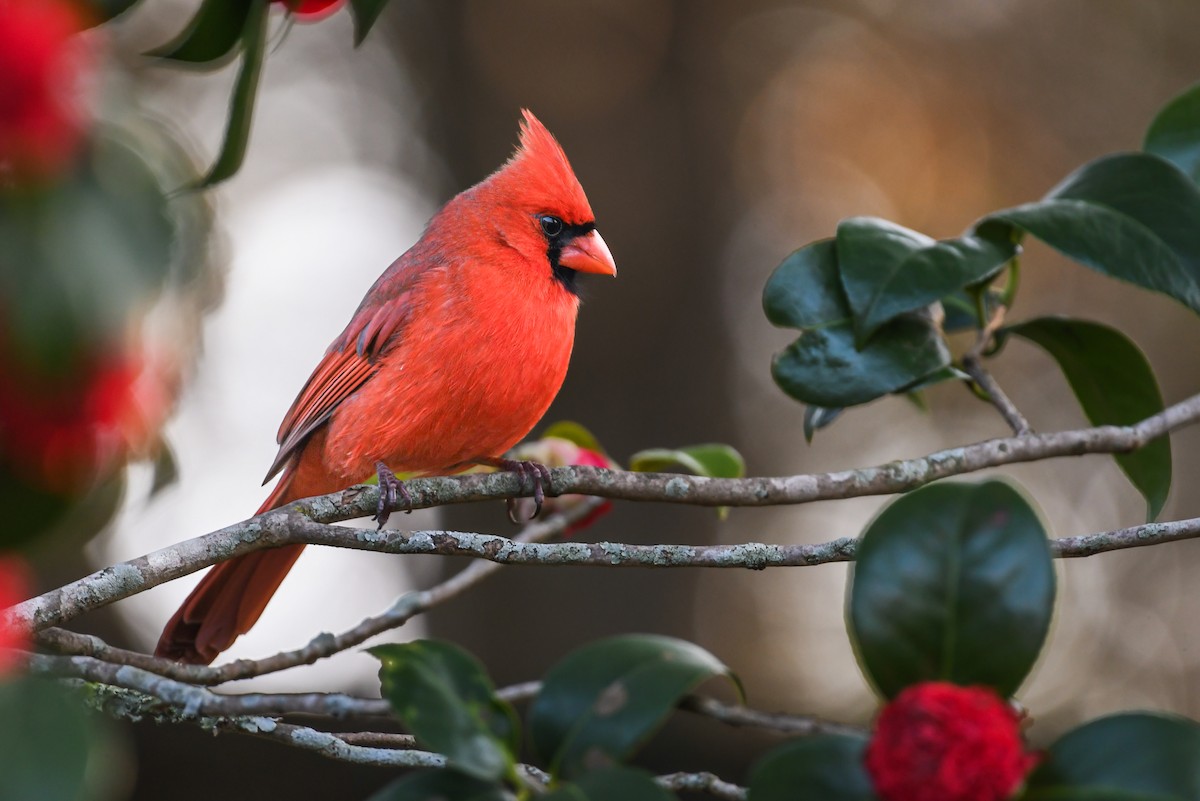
column 452, row 357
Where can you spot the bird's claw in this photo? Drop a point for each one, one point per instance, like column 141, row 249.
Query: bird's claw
column 537, row 473
column 391, row 489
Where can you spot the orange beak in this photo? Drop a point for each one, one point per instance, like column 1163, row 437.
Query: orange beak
column 588, row 254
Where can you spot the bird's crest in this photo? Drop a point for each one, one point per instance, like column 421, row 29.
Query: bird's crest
column 541, row 176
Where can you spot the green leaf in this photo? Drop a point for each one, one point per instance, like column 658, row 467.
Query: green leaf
column 575, row 433
column 1128, row 757
column 823, row 367
column 827, row 767
column 888, row 270
column 952, row 582
column 212, row 36
column 1115, row 385
column 241, row 104
column 166, row 468
column 1131, row 216
column 444, row 696
column 816, row 418
column 51, row 747
column 604, row 700
column 713, row 460
column 614, row 783
column 365, row 12
column 1175, row 133
column 104, row 10
column 442, row 784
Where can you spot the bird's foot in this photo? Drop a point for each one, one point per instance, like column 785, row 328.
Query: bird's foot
column 391, row 489
column 535, row 472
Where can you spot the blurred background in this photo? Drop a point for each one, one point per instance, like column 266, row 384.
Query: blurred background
column 712, row 138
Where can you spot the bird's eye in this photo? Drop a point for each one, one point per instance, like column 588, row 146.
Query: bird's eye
column 551, row 226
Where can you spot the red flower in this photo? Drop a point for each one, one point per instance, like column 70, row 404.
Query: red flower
column 65, row 433
column 42, row 68
column 941, row 742
column 311, row 10
column 557, row 452
column 14, row 588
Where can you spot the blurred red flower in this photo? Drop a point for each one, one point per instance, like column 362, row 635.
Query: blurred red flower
column 43, row 68
column 14, row 588
column 311, row 10
column 940, row 742
column 557, row 452
column 64, row 433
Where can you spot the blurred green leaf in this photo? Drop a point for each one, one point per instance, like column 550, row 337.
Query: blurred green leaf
column 816, row 418
column 365, row 12
column 51, row 747
column 444, row 696
column 83, row 254
column 952, row 582
column 1131, row 216
column 104, row 10
column 1128, row 757
column 1115, row 385
column 573, row 432
column 888, row 270
column 823, row 367
column 604, row 700
column 212, row 36
column 166, row 468
column 448, row 785
column 713, row 460
column 1175, row 133
column 827, row 767
column 241, row 104
column 611, row 784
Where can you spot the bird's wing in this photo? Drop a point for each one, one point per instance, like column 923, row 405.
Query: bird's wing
column 350, row 361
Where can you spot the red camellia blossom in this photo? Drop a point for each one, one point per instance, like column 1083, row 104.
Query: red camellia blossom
column 558, row 452
column 311, row 10
column 42, row 68
column 65, row 433
column 940, row 742
column 14, row 588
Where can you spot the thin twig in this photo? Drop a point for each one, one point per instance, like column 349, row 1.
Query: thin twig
column 1008, row 410
column 779, row 722
column 703, row 783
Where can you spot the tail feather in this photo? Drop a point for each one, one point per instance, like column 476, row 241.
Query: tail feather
column 231, row 597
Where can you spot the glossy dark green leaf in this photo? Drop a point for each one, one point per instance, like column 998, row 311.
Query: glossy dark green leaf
column 614, row 783
column 241, row 103
column 575, row 433
column 888, row 270
column 365, row 12
column 604, row 700
column 51, row 746
column 1115, row 385
column 870, row 251
column 805, row 291
column 1132, row 216
column 816, row 418
column 444, row 696
column 447, row 785
column 1175, row 133
column 1127, row 757
column 713, row 460
column 952, row 582
column 827, row 767
column 212, row 36
column 823, row 367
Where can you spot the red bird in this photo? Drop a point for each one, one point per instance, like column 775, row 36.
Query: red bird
column 452, row 357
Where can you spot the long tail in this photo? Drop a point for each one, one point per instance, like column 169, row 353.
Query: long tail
column 232, row 596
